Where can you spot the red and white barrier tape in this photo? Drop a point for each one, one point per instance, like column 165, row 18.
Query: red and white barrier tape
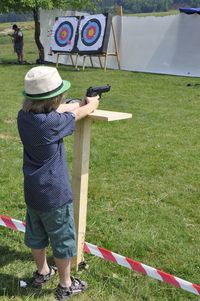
column 121, row 260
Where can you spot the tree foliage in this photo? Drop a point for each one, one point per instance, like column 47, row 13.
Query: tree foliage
column 143, row 6
column 28, row 5
column 188, row 3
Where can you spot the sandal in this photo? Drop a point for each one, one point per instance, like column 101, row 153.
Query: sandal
column 76, row 288
column 43, row 278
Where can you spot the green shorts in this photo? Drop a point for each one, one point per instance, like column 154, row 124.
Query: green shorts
column 56, row 227
column 18, row 47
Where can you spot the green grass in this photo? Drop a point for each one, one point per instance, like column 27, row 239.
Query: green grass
column 143, row 187
column 155, row 14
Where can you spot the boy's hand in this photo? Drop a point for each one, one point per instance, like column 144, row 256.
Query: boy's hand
column 88, row 105
column 93, row 100
column 89, row 99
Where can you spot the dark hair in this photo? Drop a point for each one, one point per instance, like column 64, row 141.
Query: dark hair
column 42, row 106
column 14, row 26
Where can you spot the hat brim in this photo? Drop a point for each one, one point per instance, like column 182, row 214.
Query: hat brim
column 66, row 85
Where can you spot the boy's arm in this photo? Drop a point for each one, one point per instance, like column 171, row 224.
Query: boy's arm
column 81, row 110
column 92, row 104
column 68, row 107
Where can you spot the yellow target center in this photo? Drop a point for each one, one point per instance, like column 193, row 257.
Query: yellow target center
column 91, row 32
column 64, row 34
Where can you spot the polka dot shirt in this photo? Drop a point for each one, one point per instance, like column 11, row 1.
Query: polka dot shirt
column 46, row 177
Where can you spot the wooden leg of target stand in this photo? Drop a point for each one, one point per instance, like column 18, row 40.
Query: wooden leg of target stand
column 76, row 63
column 105, row 61
column 80, row 175
column 91, row 62
column 100, row 62
column 84, row 58
column 72, row 61
column 57, row 60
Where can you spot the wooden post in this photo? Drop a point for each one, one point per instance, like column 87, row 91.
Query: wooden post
column 116, row 46
column 80, row 173
column 57, row 60
column 80, row 176
column 100, row 62
column 119, row 11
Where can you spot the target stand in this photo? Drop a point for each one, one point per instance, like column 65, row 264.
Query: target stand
column 104, row 55
column 74, row 63
column 85, row 36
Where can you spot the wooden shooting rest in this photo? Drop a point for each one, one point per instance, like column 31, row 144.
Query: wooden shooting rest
column 80, row 173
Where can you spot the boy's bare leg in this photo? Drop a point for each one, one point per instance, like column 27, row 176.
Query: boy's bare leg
column 64, row 267
column 21, row 57
column 40, row 261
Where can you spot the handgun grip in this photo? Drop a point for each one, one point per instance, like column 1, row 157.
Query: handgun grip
column 91, row 93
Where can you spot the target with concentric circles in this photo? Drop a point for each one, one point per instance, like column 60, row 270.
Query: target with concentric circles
column 63, row 34
column 91, row 32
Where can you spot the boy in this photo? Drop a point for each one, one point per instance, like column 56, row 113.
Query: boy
column 42, row 124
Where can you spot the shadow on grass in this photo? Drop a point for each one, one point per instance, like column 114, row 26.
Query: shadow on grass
column 62, row 67
column 7, row 255
column 10, row 287
column 10, row 283
column 13, row 62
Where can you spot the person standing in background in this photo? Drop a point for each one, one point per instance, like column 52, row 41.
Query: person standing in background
column 18, row 43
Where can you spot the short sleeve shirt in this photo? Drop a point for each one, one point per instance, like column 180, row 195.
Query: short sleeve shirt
column 18, row 36
column 46, row 178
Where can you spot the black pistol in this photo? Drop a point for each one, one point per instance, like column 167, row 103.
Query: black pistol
column 94, row 91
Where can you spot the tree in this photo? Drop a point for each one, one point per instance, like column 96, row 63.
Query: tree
column 187, row 3
column 145, row 6
column 34, row 7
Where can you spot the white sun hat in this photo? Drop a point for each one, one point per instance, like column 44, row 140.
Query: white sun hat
column 44, row 82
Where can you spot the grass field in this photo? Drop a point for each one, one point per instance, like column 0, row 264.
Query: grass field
column 143, row 188
column 156, row 14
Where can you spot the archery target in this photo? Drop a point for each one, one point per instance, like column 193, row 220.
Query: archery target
column 64, row 34
column 92, row 32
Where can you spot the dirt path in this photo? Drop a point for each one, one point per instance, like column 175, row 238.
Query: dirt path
column 9, row 30
column 6, row 31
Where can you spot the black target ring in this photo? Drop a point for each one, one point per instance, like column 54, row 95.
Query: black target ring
column 91, row 32
column 64, row 33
